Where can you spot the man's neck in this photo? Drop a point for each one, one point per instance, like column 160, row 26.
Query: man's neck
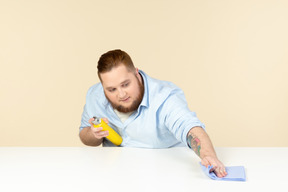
column 123, row 116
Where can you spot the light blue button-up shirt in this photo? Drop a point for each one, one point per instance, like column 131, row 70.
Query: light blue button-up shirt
column 162, row 120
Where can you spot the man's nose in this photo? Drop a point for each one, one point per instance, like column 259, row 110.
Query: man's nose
column 121, row 93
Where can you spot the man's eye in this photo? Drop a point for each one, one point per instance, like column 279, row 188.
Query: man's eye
column 125, row 85
column 111, row 90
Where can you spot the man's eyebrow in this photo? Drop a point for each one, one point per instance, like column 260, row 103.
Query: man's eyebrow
column 126, row 81
column 123, row 82
column 107, row 88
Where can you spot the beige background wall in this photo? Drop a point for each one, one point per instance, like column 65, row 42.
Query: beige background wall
column 229, row 57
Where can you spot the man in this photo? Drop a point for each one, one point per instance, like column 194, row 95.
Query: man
column 146, row 112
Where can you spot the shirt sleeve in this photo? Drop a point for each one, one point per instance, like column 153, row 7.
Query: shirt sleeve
column 84, row 119
column 87, row 114
column 177, row 116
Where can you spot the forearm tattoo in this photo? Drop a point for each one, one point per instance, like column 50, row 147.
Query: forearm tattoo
column 194, row 143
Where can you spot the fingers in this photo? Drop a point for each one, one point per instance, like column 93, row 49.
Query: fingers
column 106, row 120
column 220, row 171
column 218, row 167
column 98, row 132
column 90, row 121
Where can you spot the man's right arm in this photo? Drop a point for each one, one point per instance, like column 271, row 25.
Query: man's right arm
column 93, row 136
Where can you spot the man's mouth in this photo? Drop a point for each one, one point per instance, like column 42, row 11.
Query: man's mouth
column 125, row 100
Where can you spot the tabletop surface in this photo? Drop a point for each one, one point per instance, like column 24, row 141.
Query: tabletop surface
column 135, row 169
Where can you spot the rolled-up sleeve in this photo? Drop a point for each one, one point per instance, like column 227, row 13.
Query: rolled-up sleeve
column 178, row 118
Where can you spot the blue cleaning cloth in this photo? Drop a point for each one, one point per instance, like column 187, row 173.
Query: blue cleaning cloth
column 234, row 173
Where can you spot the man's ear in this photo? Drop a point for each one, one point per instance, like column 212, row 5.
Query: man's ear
column 137, row 72
column 138, row 75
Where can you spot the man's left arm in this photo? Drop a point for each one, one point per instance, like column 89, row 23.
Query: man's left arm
column 201, row 144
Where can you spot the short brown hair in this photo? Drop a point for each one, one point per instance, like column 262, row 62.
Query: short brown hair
column 113, row 59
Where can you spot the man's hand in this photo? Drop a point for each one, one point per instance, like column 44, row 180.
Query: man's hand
column 218, row 167
column 97, row 132
column 201, row 144
column 93, row 136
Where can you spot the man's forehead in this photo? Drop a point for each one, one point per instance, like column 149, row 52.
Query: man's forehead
column 116, row 76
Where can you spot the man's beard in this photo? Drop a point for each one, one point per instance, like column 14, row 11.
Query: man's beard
column 135, row 104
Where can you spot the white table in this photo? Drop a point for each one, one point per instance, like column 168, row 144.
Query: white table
column 133, row 169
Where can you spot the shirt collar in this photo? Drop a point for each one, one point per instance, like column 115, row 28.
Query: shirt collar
column 145, row 100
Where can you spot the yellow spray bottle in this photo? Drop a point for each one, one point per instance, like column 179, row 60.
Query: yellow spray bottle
column 113, row 136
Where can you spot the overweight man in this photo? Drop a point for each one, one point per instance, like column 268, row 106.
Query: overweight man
column 145, row 112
